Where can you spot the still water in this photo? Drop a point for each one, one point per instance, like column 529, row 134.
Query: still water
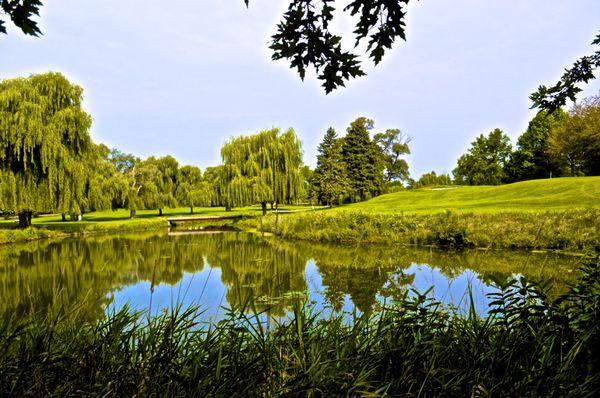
column 155, row 271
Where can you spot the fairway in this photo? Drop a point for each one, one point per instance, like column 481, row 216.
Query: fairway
column 116, row 218
column 526, row 196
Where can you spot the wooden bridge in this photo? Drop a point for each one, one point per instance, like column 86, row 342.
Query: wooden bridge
column 174, row 220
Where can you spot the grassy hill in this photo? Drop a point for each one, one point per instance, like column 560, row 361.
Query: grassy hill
column 526, row 196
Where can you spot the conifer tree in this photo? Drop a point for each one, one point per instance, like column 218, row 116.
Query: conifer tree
column 363, row 160
column 44, row 145
column 329, row 179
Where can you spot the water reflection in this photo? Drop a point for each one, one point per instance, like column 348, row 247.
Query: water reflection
column 153, row 270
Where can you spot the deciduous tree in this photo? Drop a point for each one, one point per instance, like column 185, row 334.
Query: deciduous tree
column 44, row 146
column 394, row 145
column 262, row 168
column 192, row 190
column 432, row 179
column 531, row 159
column 484, row 163
column 574, row 144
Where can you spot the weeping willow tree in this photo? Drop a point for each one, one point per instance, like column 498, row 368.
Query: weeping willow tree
column 262, row 168
column 44, row 146
column 192, row 190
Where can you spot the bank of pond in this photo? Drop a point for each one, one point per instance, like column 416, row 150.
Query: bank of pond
column 237, row 314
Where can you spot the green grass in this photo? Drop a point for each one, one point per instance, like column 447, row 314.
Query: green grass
column 527, row 196
column 52, row 226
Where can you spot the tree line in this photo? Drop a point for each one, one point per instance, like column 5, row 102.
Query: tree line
column 556, row 144
column 49, row 163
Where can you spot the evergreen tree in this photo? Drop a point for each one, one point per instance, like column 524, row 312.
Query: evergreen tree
column 261, row 168
column 363, row 160
column 44, row 146
column 329, row 179
column 485, row 162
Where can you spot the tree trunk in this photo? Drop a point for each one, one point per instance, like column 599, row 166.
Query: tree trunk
column 191, row 209
column 264, row 208
column 160, row 212
column 271, row 205
column 132, row 213
column 25, row 219
column 63, row 217
column 227, row 207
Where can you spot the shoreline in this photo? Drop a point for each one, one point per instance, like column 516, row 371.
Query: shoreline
column 571, row 232
column 16, row 236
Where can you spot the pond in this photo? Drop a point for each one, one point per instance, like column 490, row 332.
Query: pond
column 156, row 271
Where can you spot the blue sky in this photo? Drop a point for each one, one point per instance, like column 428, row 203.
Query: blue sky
column 183, row 80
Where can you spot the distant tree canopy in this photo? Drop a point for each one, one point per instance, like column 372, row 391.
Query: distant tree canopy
column 393, row 145
column 485, row 161
column 44, row 146
column 262, row 168
column 355, row 167
column 532, row 160
column 432, row 179
column 192, row 190
column 574, row 144
column 555, row 144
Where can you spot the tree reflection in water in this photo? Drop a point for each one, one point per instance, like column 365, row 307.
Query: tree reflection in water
column 270, row 273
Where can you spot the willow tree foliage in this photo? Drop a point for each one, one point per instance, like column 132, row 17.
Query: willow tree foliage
column 363, row 160
column 191, row 189
column 104, row 186
column 44, row 146
column 262, row 168
column 329, row 180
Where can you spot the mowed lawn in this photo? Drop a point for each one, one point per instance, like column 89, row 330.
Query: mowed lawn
column 121, row 216
column 527, row 196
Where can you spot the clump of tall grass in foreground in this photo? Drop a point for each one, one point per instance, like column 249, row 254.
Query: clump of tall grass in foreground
column 527, row 345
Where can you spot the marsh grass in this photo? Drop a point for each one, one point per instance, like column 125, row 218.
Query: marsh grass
column 527, row 345
column 569, row 230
